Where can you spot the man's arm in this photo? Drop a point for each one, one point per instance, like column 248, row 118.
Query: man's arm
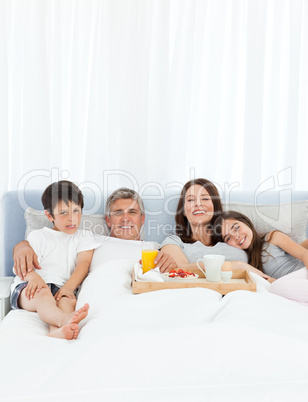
column 25, row 259
column 35, row 284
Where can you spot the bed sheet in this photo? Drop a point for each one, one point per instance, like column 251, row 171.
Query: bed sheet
column 169, row 345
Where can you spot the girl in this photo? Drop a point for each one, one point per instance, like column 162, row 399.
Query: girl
column 275, row 254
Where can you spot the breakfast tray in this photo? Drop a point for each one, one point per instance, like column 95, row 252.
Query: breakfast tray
column 241, row 280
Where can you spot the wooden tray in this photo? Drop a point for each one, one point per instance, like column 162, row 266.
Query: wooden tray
column 241, row 280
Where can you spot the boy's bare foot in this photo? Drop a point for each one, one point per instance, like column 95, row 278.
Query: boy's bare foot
column 69, row 332
column 79, row 314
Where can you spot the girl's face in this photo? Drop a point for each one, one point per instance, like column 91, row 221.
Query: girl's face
column 236, row 234
column 198, row 205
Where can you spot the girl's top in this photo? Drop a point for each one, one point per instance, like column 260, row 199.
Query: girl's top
column 194, row 251
column 278, row 263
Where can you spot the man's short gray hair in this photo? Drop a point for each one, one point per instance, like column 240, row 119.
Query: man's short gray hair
column 123, row 193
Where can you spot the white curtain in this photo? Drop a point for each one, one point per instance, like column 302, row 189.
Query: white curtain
column 133, row 92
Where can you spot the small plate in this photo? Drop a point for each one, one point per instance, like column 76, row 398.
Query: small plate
column 167, row 278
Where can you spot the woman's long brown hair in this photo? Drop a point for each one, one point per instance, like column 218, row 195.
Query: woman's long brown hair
column 183, row 228
column 254, row 251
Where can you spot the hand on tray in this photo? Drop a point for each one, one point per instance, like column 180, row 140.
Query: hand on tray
column 164, row 262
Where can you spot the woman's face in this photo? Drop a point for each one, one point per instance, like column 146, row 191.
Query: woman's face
column 236, row 234
column 198, row 206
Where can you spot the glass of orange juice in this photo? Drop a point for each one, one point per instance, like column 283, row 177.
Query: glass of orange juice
column 149, row 253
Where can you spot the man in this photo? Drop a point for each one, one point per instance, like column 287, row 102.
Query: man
column 125, row 217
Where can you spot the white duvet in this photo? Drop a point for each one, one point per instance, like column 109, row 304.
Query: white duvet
column 170, row 345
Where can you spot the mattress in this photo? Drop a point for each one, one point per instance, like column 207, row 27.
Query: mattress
column 168, row 345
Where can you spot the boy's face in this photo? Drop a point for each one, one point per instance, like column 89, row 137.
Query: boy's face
column 66, row 218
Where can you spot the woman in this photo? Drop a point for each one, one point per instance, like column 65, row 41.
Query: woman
column 198, row 207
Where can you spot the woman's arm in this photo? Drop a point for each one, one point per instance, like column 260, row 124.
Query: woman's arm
column 182, row 262
column 178, row 256
column 164, row 261
column 290, row 246
column 176, row 253
column 305, row 243
column 25, row 259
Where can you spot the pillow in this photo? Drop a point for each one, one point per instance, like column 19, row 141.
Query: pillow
column 290, row 218
column 37, row 220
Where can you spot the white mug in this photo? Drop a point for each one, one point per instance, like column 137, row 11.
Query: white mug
column 212, row 266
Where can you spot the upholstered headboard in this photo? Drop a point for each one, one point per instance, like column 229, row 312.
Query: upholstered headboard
column 159, row 221
column 159, row 212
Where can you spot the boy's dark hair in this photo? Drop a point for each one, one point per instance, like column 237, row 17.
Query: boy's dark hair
column 63, row 190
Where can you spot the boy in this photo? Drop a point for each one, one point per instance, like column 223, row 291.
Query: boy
column 65, row 254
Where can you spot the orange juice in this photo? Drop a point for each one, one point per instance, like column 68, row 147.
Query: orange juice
column 148, row 257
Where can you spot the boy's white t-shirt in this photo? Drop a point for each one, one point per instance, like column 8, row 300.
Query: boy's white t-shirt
column 57, row 253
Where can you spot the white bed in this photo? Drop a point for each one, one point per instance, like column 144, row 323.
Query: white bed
column 170, row 345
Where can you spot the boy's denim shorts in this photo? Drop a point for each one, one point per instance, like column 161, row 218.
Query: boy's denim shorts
column 16, row 293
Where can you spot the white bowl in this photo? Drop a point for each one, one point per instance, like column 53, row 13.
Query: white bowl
column 226, row 276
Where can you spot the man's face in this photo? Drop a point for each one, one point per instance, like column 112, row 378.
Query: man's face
column 125, row 219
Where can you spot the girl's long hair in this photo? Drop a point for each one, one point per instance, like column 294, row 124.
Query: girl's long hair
column 254, row 251
column 183, row 228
